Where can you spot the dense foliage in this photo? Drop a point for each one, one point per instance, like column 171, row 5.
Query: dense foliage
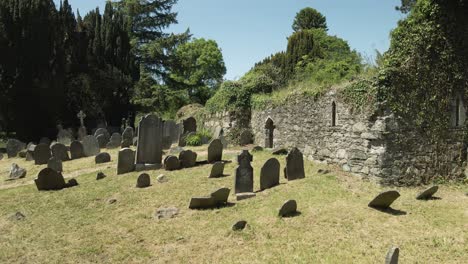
column 309, row 18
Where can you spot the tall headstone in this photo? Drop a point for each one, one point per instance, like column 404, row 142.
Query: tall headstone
column 49, row 179
column 171, row 129
column 13, row 147
column 294, row 165
column 82, row 130
column 125, row 162
column 244, row 173
column 149, row 150
column 90, row 146
column 42, row 154
column 190, row 125
column 215, row 151
column 60, row 152
column 76, row 150
column 270, row 174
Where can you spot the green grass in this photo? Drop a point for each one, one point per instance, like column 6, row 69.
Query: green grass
column 77, row 225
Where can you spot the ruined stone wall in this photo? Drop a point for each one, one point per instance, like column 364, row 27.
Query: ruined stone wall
column 229, row 121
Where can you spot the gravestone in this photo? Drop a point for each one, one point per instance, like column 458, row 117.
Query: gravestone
column 1, row 156
column 189, row 125
column 16, row 172
column 428, row 193
column 42, row 154
column 294, row 165
column 392, row 256
column 384, row 200
column 30, row 152
column 102, row 140
column 126, row 161
column 90, row 146
column 49, row 179
column 172, row 130
column 60, row 152
column 270, row 174
column 218, row 132
column 76, row 150
column 187, row 159
column 217, row 198
column 55, row 164
column 166, row 142
column 217, row 170
column 239, row 225
column 215, row 151
column 64, row 136
column 171, row 163
column 245, row 138
column 102, row 131
column 100, row 176
column 279, row 151
column 82, row 132
column 143, row 181
column 45, row 140
column 244, row 173
column 127, row 137
column 115, row 141
column 13, row 147
column 289, row 208
column 149, row 150
column 103, row 157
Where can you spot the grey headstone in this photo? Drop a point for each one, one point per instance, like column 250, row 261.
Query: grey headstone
column 90, row 146
column 270, row 174
column 244, row 173
column 126, row 161
column 76, row 150
column 30, row 152
column 171, row 130
column 60, row 152
column 190, row 125
column 149, row 150
column 187, row 159
column 245, row 138
column 289, row 208
column 215, row 151
column 103, row 157
column 65, row 137
column 49, row 179
column 82, row 133
column 166, row 213
column 16, row 172
column 128, row 134
column 115, row 141
column 42, row 154
column 384, row 200
column 217, row 170
column 102, row 131
column 218, row 132
column 294, row 165
column 239, row 225
column 102, row 141
column 143, row 181
column 428, row 193
column 392, row 256
column 171, row 163
column 13, row 147
column 55, row 164
column 166, row 142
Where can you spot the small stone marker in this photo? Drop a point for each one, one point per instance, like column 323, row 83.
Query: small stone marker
column 102, row 141
column 215, row 151
column 171, row 163
column 55, row 164
column 49, row 179
column 143, row 181
column 257, row 149
column 103, row 157
column 162, row 178
column 18, row 216
column 166, row 213
column 239, row 225
column 270, row 174
column 16, row 172
column 71, row 183
column 90, row 146
column 428, row 193
column 13, row 147
column 217, row 170
column 30, row 152
column 244, row 173
column 289, row 208
column 126, row 161
column 294, row 165
column 279, row 151
column 187, row 159
column 245, row 138
column 392, row 256
column 42, row 154
column 216, row 199
column 100, row 176
column 384, row 200
column 76, row 150
column 60, row 151
column 245, row 196
column 115, row 141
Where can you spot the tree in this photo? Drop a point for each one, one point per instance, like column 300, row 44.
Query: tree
column 406, row 6
column 309, row 18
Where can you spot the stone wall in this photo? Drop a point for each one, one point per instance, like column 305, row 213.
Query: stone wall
column 229, row 121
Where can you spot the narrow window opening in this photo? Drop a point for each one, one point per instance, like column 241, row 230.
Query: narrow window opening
column 333, row 114
column 457, row 112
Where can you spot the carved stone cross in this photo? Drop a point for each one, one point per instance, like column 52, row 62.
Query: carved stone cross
column 81, row 115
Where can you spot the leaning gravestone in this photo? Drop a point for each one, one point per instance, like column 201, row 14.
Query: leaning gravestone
column 143, row 181
column 270, row 174
column 392, row 256
column 149, row 150
column 171, row 163
column 55, row 164
column 289, row 208
column 126, row 161
column 60, row 152
column 102, row 141
column 103, row 157
column 76, row 150
column 187, row 159
column 428, row 193
column 49, row 179
column 42, row 154
column 215, row 151
column 294, row 165
column 384, row 200
column 245, row 138
column 189, row 125
column 218, row 132
column 217, row 198
column 115, row 141
column 16, row 172
column 13, row 147
column 217, row 170
column 244, row 173
column 90, row 146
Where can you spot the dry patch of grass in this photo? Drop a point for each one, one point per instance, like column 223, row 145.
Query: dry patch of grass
column 77, row 225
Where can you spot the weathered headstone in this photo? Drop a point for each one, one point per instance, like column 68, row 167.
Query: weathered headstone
column 82, row 132
column 90, row 146
column 171, row 163
column 215, row 151
column 30, row 152
column 187, row 159
column 216, row 199
column 103, row 157
column 49, row 179
column 76, row 150
column 115, row 141
column 45, row 140
column 149, row 150
column 60, row 151
column 55, row 164
column 100, row 176
column 218, row 132
column 166, row 142
column 392, row 256
column 172, row 130
column 244, row 173
column 42, row 154
column 189, row 125
column 102, row 131
column 428, row 193
column 270, row 174
column 16, row 172
column 143, row 181
column 127, row 137
column 294, row 165
column 384, row 200
column 13, row 147
column 245, row 138
column 239, row 225
column 166, row 213
column 126, row 161
column 102, row 140
column 289, row 208
column 217, row 170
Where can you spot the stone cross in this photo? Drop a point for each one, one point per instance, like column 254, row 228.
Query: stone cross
column 81, row 115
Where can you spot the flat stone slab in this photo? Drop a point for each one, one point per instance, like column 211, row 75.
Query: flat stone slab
column 166, row 213
column 289, row 208
column 392, row 256
column 384, row 200
column 244, row 196
column 428, row 193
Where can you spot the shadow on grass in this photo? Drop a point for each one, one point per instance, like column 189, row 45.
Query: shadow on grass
column 226, row 205
column 390, row 211
column 281, row 183
column 430, row 198
column 295, row 214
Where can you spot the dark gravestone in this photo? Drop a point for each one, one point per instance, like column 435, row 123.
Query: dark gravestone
column 115, row 141
column 289, row 208
column 102, row 141
column 49, row 179
column 244, row 173
column 100, row 176
column 171, row 163
column 126, row 143
column 71, row 183
column 60, row 152
column 13, row 147
column 217, row 170
column 16, row 172
column 149, row 150
column 55, row 164
column 166, row 142
column 172, row 130
column 428, row 193
column 126, row 161
column 102, row 131
column 392, row 256
column 245, row 138
column 257, row 149
column 384, row 200
column 215, row 151
column 45, row 140
column 217, row 198
column 103, row 157
column 294, row 165
column 90, row 146
column 76, row 150
column 42, row 154
column 187, row 159
column 143, row 181
column 189, row 125
column 270, row 174
column 239, row 225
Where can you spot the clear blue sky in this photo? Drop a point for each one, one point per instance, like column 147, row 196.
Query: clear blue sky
column 249, row 30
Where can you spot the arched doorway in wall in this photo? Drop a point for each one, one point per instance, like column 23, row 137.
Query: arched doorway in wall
column 269, row 129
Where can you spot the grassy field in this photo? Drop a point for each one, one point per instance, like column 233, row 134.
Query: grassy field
column 78, row 225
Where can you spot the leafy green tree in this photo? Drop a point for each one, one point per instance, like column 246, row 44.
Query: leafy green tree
column 309, row 18
column 406, row 6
